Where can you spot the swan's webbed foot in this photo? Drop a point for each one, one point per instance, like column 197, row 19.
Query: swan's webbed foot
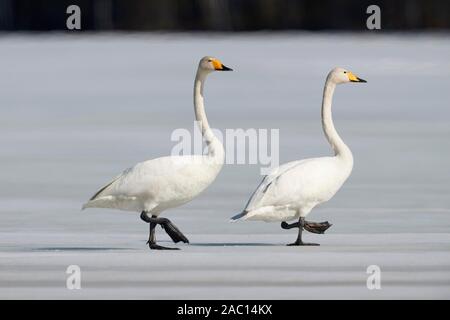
column 314, row 227
column 154, row 246
column 302, row 224
column 317, row 227
column 174, row 233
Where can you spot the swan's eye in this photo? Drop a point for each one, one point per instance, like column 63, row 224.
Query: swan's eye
column 210, row 60
column 345, row 71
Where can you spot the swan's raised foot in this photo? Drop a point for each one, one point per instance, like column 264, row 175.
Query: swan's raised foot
column 314, row 227
column 174, row 233
column 296, row 243
column 154, row 246
column 317, row 227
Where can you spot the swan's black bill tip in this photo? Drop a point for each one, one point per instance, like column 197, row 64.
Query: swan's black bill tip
column 225, row 68
column 359, row 80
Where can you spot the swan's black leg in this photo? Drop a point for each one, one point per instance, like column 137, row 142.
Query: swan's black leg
column 151, row 236
column 174, row 233
column 152, row 239
column 286, row 225
column 299, row 242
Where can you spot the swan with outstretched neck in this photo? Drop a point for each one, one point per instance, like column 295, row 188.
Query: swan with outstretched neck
column 292, row 190
column 152, row 186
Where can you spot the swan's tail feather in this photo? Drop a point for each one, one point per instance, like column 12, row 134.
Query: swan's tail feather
column 87, row 205
column 91, row 204
column 238, row 216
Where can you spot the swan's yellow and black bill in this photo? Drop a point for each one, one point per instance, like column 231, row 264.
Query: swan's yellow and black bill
column 219, row 66
column 354, row 78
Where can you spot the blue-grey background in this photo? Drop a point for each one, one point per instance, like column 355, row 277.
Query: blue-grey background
column 75, row 110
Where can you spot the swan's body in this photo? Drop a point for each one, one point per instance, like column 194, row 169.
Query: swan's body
column 155, row 185
column 292, row 190
column 295, row 188
column 158, row 184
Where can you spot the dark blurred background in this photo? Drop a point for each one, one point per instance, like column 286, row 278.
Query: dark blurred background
column 223, row 15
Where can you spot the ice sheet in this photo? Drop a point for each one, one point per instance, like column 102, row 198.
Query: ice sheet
column 77, row 110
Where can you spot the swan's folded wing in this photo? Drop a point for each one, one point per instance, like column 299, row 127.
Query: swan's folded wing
column 102, row 190
column 135, row 180
column 266, row 183
column 106, row 188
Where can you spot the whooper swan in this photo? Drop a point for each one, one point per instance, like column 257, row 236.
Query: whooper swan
column 153, row 186
column 292, row 190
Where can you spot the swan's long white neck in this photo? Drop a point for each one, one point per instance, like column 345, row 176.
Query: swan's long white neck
column 339, row 147
column 215, row 147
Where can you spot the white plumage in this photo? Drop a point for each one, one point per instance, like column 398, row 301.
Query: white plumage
column 158, row 184
column 295, row 188
column 163, row 183
column 292, row 190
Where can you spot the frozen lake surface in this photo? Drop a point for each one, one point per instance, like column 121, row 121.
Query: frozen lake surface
column 77, row 110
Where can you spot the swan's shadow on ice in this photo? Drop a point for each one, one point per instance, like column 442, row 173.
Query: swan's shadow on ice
column 72, row 249
column 233, row 244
